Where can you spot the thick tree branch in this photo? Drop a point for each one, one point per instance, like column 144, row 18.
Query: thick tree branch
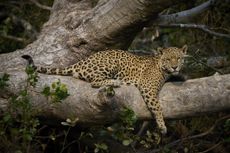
column 109, row 24
column 184, row 16
column 196, row 26
column 113, row 25
column 90, row 105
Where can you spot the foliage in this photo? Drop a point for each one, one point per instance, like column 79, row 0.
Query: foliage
column 100, row 147
column 70, row 122
column 57, row 92
column 109, row 91
column 18, row 125
column 3, row 81
column 32, row 76
column 150, row 139
column 123, row 129
column 20, row 22
column 127, row 117
column 227, row 130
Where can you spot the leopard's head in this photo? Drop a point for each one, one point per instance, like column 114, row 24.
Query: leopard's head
column 172, row 58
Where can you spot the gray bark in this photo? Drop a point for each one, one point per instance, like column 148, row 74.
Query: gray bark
column 92, row 105
column 75, row 30
column 184, row 16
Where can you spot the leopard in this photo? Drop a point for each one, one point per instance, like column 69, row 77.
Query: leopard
column 118, row 67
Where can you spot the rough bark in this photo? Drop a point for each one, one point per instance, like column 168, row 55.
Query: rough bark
column 76, row 29
column 115, row 24
column 184, row 16
column 91, row 105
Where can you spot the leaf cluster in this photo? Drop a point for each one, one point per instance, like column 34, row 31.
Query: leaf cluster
column 32, row 76
column 57, row 92
column 3, row 81
column 18, row 126
column 20, row 22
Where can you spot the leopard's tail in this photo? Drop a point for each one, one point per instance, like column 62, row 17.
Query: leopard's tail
column 40, row 69
column 30, row 61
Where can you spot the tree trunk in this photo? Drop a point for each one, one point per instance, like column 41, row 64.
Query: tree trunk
column 75, row 30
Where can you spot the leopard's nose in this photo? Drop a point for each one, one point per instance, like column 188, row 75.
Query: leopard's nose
column 174, row 67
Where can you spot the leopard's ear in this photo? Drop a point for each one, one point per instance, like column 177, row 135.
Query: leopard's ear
column 184, row 49
column 159, row 50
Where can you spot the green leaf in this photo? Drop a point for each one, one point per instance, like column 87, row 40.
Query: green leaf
column 127, row 116
column 7, row 118
column 101, row 146
column 53, row 85
column 57, row 92
column 5, row 77
column 29, row 70
column 96, row 150
column 127, row 142
column 28, row 137
column 104, row 146
column 32, row 75
column 52, row 137
column 3, row 80
column 227, row 140
column 46, row 91
column 65, row 123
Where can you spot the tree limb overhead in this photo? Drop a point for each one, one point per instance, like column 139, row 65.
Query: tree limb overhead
column 197, row 26
column 183, row 16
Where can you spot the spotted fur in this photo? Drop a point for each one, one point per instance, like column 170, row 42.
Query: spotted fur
column 116, row 67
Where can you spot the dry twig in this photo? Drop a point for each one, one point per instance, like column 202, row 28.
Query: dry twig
column 196, row 26
column 14, row 38
column 213, row 147
column 40, row 5
column 190, row 137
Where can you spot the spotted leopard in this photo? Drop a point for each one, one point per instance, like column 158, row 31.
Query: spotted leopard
column 116, row 67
